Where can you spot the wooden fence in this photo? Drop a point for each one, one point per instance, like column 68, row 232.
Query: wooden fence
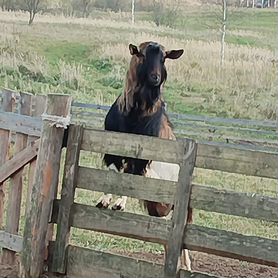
column 237, row 131
column 81, row 262
column 14, row 155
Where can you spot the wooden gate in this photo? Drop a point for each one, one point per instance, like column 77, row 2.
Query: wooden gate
column 141, row 227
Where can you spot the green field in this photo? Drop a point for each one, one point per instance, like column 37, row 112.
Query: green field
column 88, row 59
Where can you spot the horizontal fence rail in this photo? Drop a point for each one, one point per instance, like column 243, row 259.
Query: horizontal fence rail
column 202, row 197
column 116, row 266
column 238, row 122
column 10, row 241
column 132, row 145
column 20, row 123
column 234, row 203
column 214, row 156
column 218, row 242
column 126, row 184
column 240, row 131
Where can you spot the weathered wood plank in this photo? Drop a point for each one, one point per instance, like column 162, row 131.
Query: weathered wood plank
column 233, row 245
column 16, row 183
column 19, row 123
column 221, row 129
column 234, row 203
column 19, row 160
column 126, row 184
column 244, row 140
column 215, row 156
column 67, row 198
column 201, row 131
column 114, row 222
column 45, row 186
column 202, row 197
column 7, row 103
column 182, row 126
column 10, row 241
column 39, row 104
column 180, row 214
column 97, row 121
column 132, row 145
column 84, row 262
column 213, row 241
column 237, row 159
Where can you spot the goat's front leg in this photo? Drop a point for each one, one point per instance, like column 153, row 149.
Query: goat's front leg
column 105, row 200
column 120, row 203
column 185, row 260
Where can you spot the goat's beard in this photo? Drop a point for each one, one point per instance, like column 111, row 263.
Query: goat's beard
column 149, row 95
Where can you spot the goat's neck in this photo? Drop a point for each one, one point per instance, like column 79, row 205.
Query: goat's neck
column 148, row 99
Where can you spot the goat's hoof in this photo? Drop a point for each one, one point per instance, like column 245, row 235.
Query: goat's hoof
column 118, row 207
column 103, row 205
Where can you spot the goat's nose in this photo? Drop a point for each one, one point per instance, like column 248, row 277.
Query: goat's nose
column 155, row 77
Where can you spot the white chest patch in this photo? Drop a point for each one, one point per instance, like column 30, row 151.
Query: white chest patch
column 163, row 171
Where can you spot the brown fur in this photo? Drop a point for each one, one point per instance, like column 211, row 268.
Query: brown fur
column 163, row 209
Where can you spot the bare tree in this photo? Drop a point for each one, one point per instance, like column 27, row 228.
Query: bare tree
column 9, row 5
column 223, row 31
column 32, row 6
column 85, row 7
column 132, row 11
column 253, row 3
column 164, row 14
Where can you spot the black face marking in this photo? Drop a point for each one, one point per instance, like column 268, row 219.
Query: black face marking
column 152, row 72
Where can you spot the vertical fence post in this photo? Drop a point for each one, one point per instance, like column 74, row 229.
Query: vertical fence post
column 15, row 192
column 67, row 198
column 45, row 186
column 38, row 104
column 7, row 103
column 175, row 241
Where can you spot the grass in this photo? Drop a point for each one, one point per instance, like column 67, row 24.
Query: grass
column 88, row 58
column 95, row 55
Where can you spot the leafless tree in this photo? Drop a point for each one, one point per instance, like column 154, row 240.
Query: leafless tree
column 223, row 31
column 132, row 11
column 164, row 14
column 32, row 6
column 85, row 7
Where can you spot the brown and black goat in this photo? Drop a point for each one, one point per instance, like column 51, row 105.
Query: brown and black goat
column 141, row 110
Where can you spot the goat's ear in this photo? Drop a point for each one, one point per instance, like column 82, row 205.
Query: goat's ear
column 174, row 54
column 133, row 49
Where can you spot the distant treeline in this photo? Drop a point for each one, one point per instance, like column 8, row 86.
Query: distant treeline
column 164, row 11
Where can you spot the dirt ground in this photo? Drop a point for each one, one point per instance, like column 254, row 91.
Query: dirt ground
column 216, row 265
column 201, row 262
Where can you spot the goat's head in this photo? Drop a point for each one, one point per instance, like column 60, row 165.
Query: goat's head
column 146, row 75
column 150, row 58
